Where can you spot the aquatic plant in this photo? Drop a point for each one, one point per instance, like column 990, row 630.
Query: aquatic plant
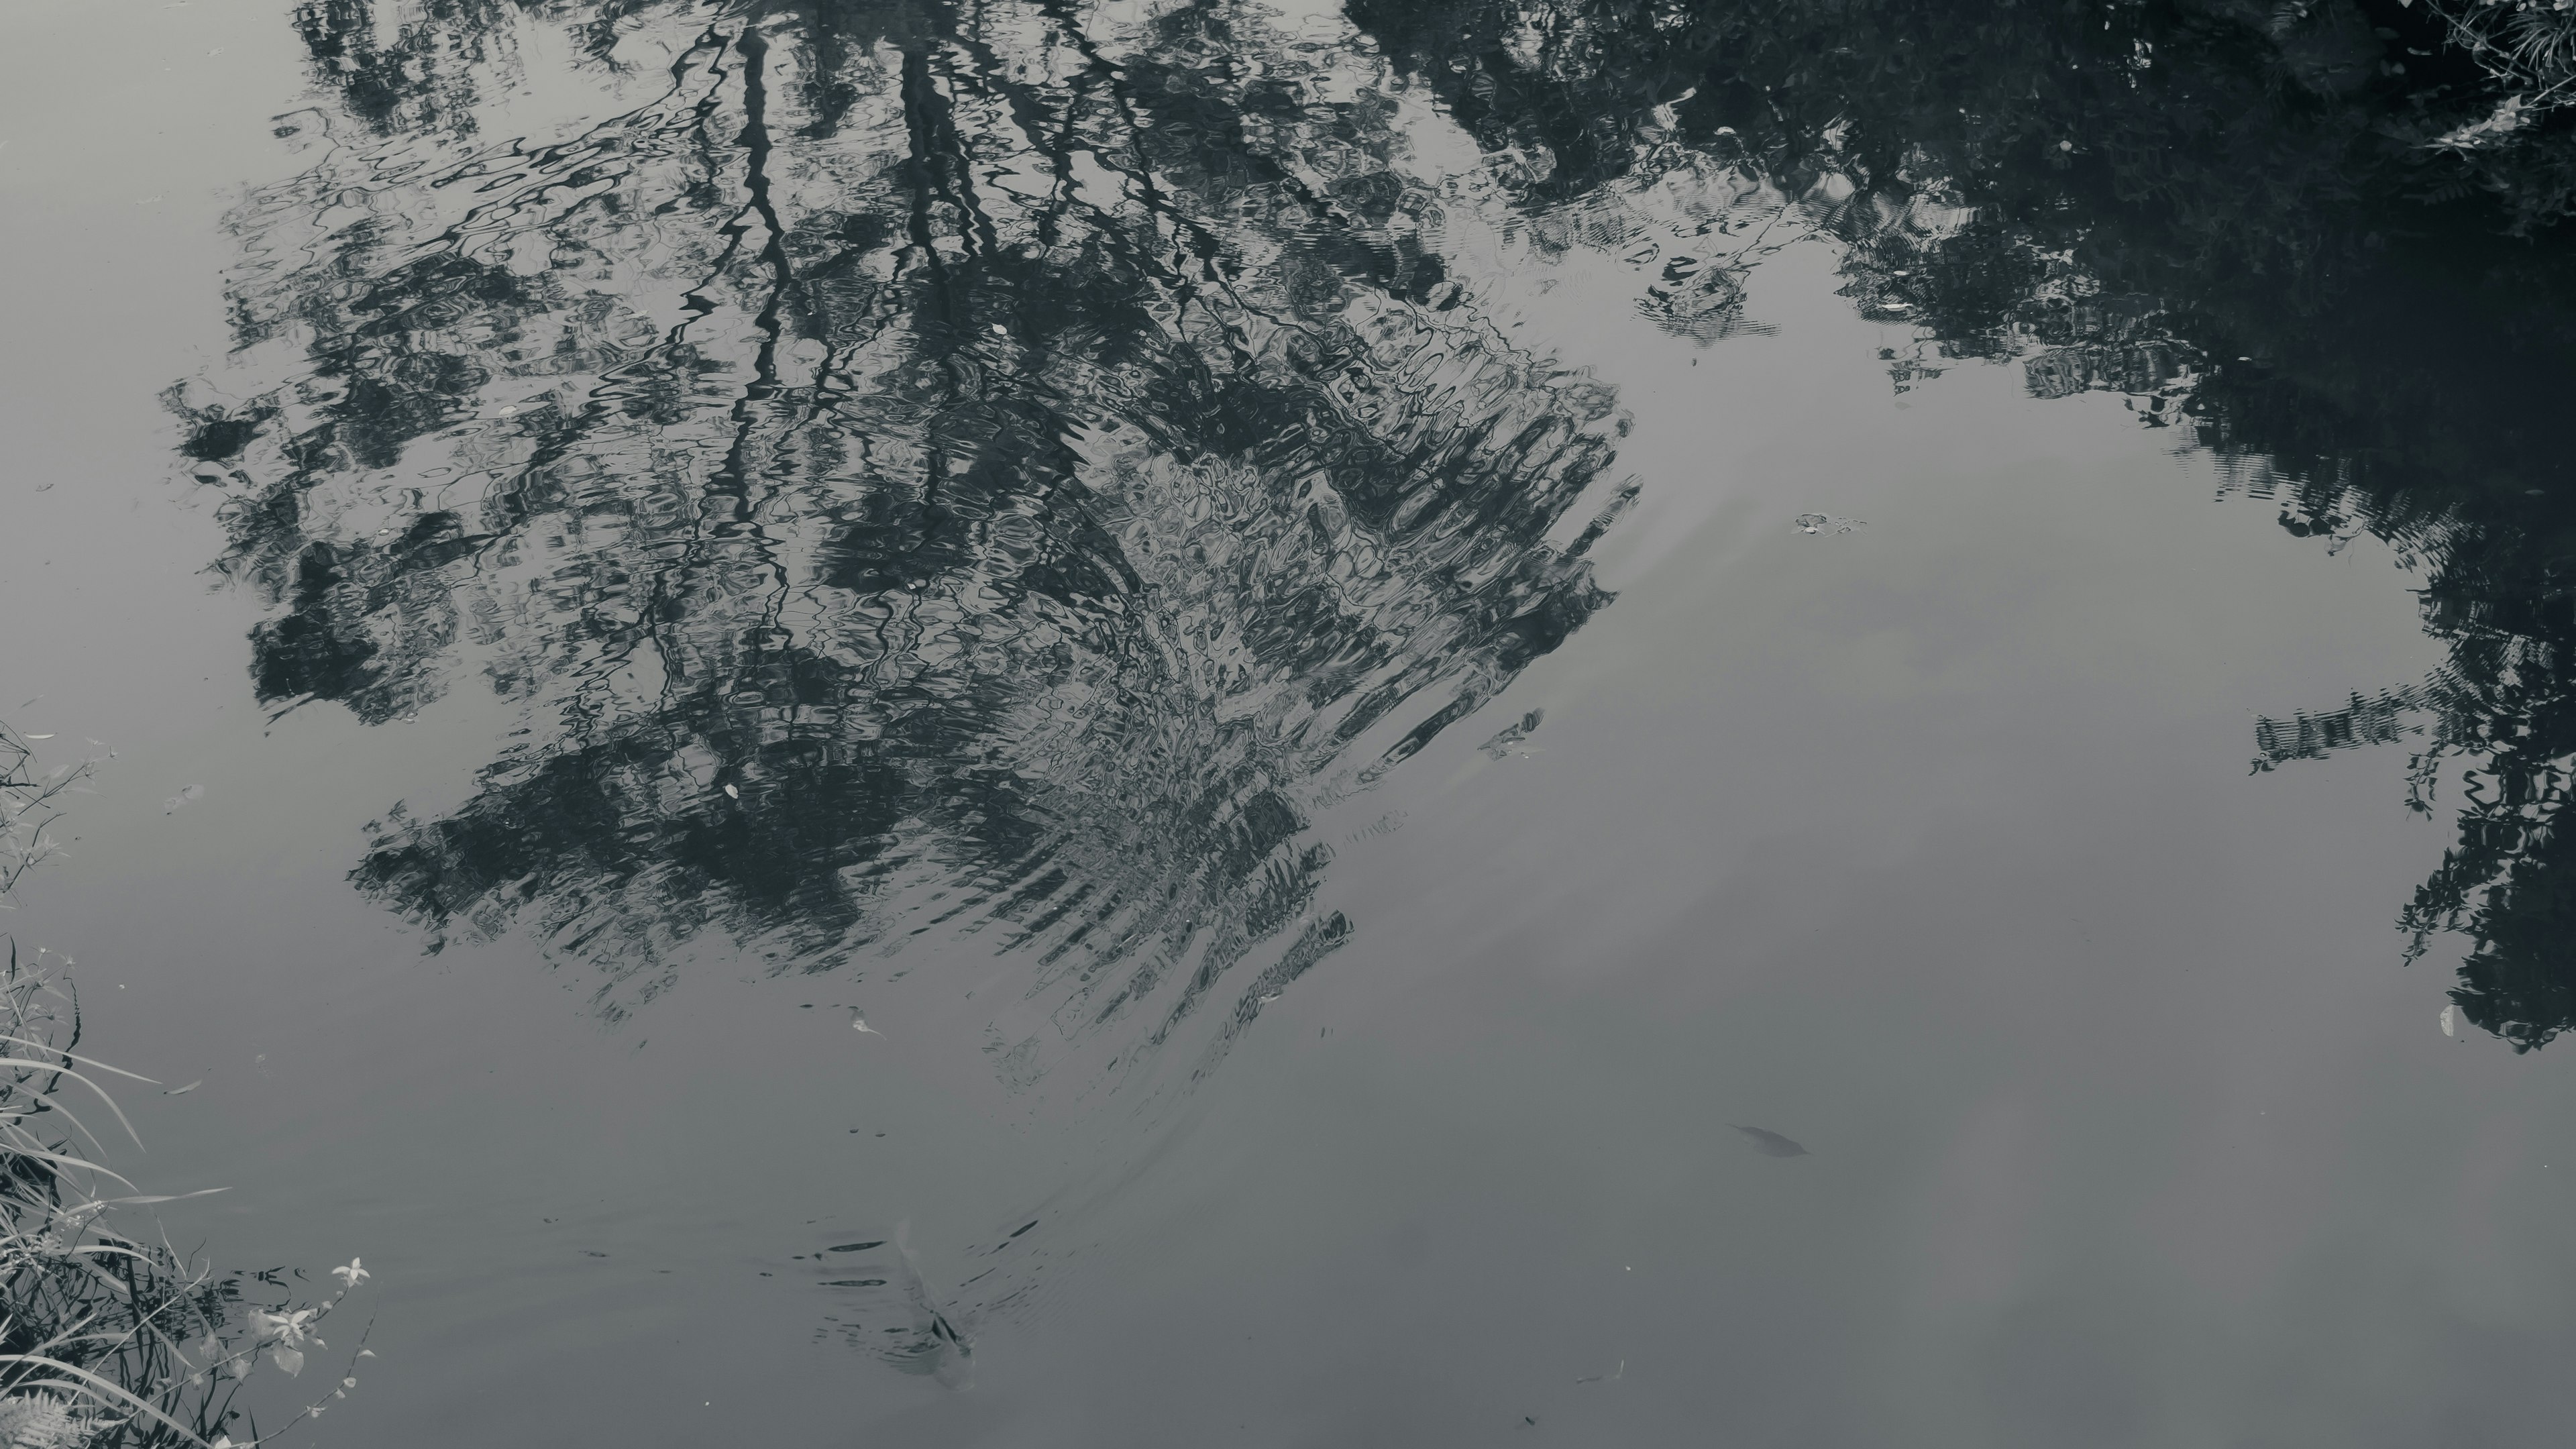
column 28, row 806
column 106, row 1338
column 2527, row 46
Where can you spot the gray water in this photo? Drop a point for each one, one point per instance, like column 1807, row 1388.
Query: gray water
column 1330, row 854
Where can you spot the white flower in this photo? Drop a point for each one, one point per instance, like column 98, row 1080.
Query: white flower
column 286, row 1328
column 352, row 1275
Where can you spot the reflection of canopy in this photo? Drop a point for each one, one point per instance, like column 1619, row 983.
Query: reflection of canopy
column 951, row 480
column 2259, row 222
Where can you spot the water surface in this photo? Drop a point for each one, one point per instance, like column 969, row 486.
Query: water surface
column 1358, row 636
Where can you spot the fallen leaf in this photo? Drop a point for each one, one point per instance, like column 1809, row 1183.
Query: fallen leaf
column 1768, row 1143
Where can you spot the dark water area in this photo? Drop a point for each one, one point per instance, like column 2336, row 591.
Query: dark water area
column 1384, row 723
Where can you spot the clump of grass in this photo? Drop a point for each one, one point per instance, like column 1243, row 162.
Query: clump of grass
column 2526, row 46
column 107, row 1340
column 29, row 804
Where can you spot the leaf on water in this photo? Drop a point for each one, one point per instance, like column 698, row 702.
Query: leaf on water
column 1768, row 1143
column 289, row 1359
column 183, row 1091
column 2451, row 1019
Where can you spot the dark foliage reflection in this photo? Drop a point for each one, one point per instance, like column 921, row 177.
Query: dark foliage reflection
column 996, row 469
column 2317, row 239
column 1004, row 471
column 918, row 472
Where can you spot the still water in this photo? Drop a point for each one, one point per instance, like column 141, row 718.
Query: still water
column 1027, row 724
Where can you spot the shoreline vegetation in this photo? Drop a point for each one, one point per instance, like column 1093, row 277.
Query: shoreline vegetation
column 110, row 1338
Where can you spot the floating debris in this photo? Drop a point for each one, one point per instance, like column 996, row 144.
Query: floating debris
column 186, row 794
column 1501, row 745
column 1821, row 522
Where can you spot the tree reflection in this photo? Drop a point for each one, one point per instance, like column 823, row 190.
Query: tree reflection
column 985, row 467
column 2260, row 223
column 944, row 468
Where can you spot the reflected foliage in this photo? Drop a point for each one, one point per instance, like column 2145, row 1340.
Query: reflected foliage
column 986, row 471
column 2298, row 235
column 1007, row 469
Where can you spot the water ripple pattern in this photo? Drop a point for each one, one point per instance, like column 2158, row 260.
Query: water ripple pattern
column 975, row 472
